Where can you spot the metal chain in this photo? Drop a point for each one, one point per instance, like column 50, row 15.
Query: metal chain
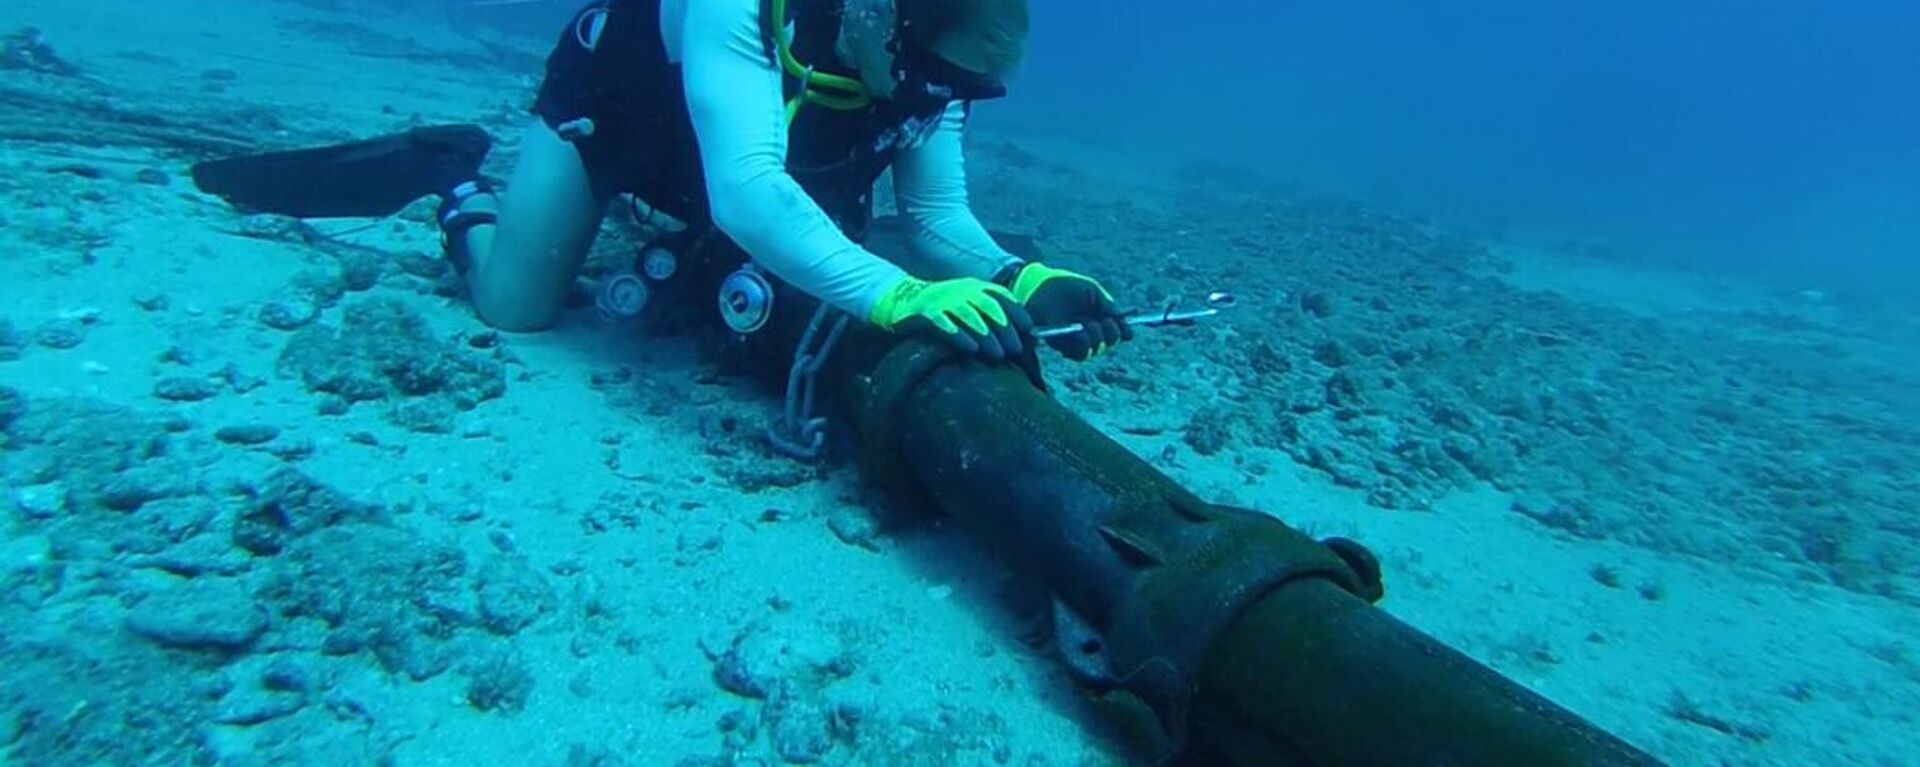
column 799, row 434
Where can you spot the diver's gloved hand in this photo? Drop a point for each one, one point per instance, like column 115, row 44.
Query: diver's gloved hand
column 1057, row 297
column 975, row 316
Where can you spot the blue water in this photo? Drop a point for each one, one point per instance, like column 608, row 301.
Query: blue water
column 1720, row 134
column 274, row 493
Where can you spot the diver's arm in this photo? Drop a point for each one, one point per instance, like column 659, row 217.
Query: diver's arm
column 930, row 188
column 739, row 117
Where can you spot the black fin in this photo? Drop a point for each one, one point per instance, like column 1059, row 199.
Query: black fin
column 362, row 179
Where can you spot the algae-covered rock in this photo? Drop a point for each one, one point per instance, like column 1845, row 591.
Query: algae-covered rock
column 1210, row 430
column 288, row 504
column 9, row 341
column 107, row 457
column 765, row 656
column 799, row 724
column 60, row 334
column 247, row 434
column 203, row 614
column 185, row 389
column 371, row 587
column 499, row 682
column 12, row 405
column 384, row 351
column 512, row 595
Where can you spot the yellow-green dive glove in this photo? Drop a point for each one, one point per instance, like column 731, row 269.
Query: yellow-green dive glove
column 1057, row 297
column 975, row 316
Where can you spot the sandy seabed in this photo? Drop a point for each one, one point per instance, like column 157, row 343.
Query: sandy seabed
column 274, row 495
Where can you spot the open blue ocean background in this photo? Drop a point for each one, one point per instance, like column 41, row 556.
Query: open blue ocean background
column 1774, row 136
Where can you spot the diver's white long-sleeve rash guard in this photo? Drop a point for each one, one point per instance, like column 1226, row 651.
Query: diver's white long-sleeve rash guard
column 739, row 117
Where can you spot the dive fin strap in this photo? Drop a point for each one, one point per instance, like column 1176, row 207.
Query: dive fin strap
column 455, row 223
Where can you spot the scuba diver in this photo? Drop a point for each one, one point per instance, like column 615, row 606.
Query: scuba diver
column 767, row 120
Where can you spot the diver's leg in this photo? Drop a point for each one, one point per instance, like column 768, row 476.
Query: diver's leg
column 522, row 267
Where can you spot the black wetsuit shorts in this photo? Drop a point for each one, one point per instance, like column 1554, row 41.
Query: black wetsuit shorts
column 610, row 69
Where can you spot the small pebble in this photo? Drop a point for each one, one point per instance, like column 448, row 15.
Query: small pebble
column 41, row 501
column 317, row 288
column 86, row 315
column 247, row 434
column 358, row 273
column 134, row 488
column 153, row 302
column 343, row 641
column 285, row 675
column 179, row 355
column 502, row 541
column 292, row 450
column 59, row 335
column 801, row 729
column 287, row 315
column 616, row 377
column 12, row 406
column 421, row 265
column 75, row 169
column 240, row 381
column 199, row 616
column 581, row 685
column 183, row 389
column 153, row 177
column 247, row 707
column 854, row 527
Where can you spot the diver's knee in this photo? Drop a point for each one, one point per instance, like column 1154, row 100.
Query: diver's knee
column 514, row 311
column 509, row 296
column 518, row 323
column 525, row 264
